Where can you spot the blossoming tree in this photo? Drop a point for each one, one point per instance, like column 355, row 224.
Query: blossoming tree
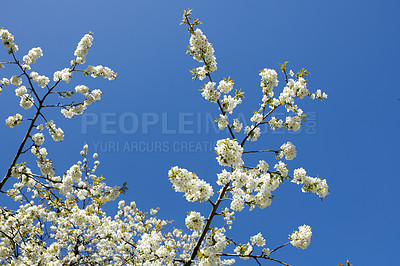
column 60, row 219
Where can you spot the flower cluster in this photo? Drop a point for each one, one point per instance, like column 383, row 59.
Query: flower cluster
column 275, row 123
column 302, row 238
column 292, row 123
column 229, row 152
column 187, row 182
column 8, row 40
column 281, row 168
column 229, row 103
column 310, row 184
column 319, row 95
column 13, row 121
column 225, row 85
column 64, row 75
column 257, row 240
column 253, row 132
column 40, row 79
column 244, row 183
column 16, row 81
column 82, row 48
column 4, row 82
column 202, row 51
column 101, row 71
column 222, row 122
column 210, row 93
column 38, row 139
column 77, row 109
column 194, row 221
column 269, row 80
column 236, row 125
column 26, row 100
column 288, row 150
column 45, row 165
column 56, row 133
column 32, row 55
column 214, row 243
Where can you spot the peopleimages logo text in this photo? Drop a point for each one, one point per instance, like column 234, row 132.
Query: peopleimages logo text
column 129, row 123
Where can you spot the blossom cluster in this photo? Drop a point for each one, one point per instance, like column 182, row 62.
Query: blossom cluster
column 210, row 93
column 101, row 71
column 64, row 75
column 202, row 51
column 302, row 238
column 26, row 100
column 229, row 152
column 56, row 133
column 311, row 184
column 82, row 49
column 32, row 55
column 8, row 40
column 194, row 221
column 288, row 150
column 252, row 188
column 77, row 109
column 269, row 80
column 13, row 121
column 40, row 79
column 195, row 189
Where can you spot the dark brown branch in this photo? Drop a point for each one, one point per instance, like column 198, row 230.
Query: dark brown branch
column 207, row 226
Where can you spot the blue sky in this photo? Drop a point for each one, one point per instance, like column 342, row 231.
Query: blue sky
column 351, row 50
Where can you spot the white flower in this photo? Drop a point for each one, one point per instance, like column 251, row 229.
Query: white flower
column 311, row 184
column 258, row 240
column 32, row 55
column 101, row 71
column 319, row 95
column 82, row 89
column 5, row 82
column 194, row 221
column 293, row 123
column 225, row 86
column 302, row 238
column 222, row 121
column 255, row 132
column 8, row 40
column 16, row 81
column 187, row 182
column 257, row 117
column 262, row 166
column 210, row 93
column 56, row 133
column 82, row 49
column 20, row 91
column 26, row 101
column 275, row 123
column 288, row 150
column 41, row 80
column 202, row 51
column 64, row 75
column 13, row 121
column 38, row 139
column 281, row 168
column 237, row 126
column 269, row 80
column 229, row 152
column 229, row 103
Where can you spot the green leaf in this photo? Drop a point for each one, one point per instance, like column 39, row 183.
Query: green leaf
column 283, row 66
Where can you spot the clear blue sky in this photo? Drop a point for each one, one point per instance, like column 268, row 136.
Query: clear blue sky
column 352, row 139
